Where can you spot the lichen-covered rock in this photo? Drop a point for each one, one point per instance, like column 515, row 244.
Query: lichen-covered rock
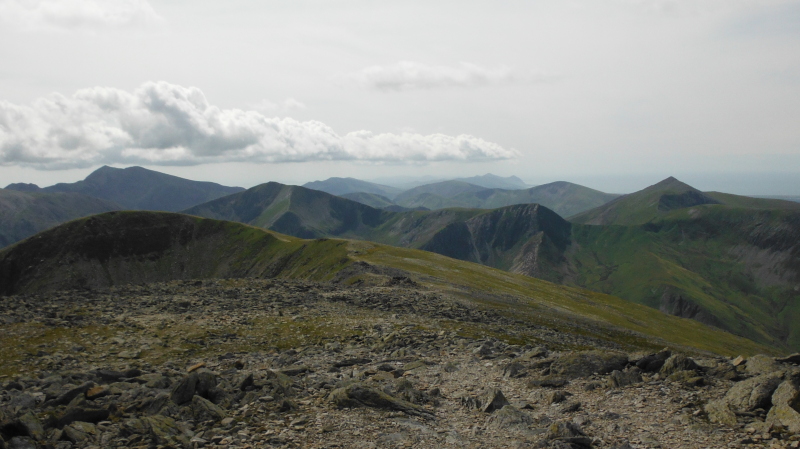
column 358, row 395
column 678, row 362
column 80, row 432
column 493, row 399
column 624, row 378
column 569, row 433
column 719, row 412
column 509, row 417
column 165, row 430
column 786, row 406
column 753, row 393
column 761, row 364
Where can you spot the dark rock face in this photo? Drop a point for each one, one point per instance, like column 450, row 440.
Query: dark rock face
column 689, row 198
column 678, row 305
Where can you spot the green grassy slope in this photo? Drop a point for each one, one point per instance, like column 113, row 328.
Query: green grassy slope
column 23, row 214
column 126, row 247
column 660, row 199
column 137, row 188
column 735, row 268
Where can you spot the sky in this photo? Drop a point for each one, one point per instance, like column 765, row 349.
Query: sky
column 615, row 95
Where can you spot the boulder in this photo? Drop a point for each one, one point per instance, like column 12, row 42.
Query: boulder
column 652, row 363
column 511, row 417
column 753, row 393
column 786, row 406
column 761, row 364
column 166, row 431
column 583, row 364
column 569, row 433
column 493, row 399
column 624, row 378
column 678, row 362
column 358, row 395
column 745, row 396
column 82, row 413
column 199, row 382
column 80, row 432
column 719, row 412
column 31, row 426
column 205, row 410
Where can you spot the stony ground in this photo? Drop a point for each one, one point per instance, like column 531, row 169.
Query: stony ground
column 248, row 364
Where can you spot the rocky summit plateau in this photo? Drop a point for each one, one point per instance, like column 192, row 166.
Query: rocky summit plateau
column 251, row 363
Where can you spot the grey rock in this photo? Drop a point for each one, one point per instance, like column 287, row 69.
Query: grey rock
column 204, row 410
column 678, row 362
column 79, row 432
column 493, row 399
column 358, row 395
column 753, row 393
column 511, row 417
column 569, row 433
column 82, row 413
column 31, row 425
column 21, row 443
column 583, row 364
column 761, row 364
column 652, row 363
column 786, row 406
column 618, row 379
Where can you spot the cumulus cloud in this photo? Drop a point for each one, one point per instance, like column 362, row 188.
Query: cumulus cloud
column 168, row 124
column 406, row 75
column 77, row 14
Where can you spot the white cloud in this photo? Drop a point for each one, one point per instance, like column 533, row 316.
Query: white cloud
column 168, row 124
column 406, row 75
column 77, row 14
column 268, row 107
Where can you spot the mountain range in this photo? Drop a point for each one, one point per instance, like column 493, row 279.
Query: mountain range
column 479, row 192
column 725, row 260
column 140, row 247
column 26, row 209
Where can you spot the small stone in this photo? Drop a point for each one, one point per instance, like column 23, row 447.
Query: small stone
column 196, row 367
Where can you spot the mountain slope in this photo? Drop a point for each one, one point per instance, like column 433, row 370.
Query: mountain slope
column 664, row 197
column 527, row 239
column 23, row 214
column 491, row 181
column 341, row 186
column 134, row 247
column 370, row 199
column 444, row 189
column 734, row 268
column 564, row 198
column 141, row 247
column 137, row 188
column 294, row 210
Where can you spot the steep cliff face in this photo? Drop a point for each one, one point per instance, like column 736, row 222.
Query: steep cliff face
column 527, row 239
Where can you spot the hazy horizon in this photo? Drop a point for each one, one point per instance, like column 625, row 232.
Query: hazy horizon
column 614, row 95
